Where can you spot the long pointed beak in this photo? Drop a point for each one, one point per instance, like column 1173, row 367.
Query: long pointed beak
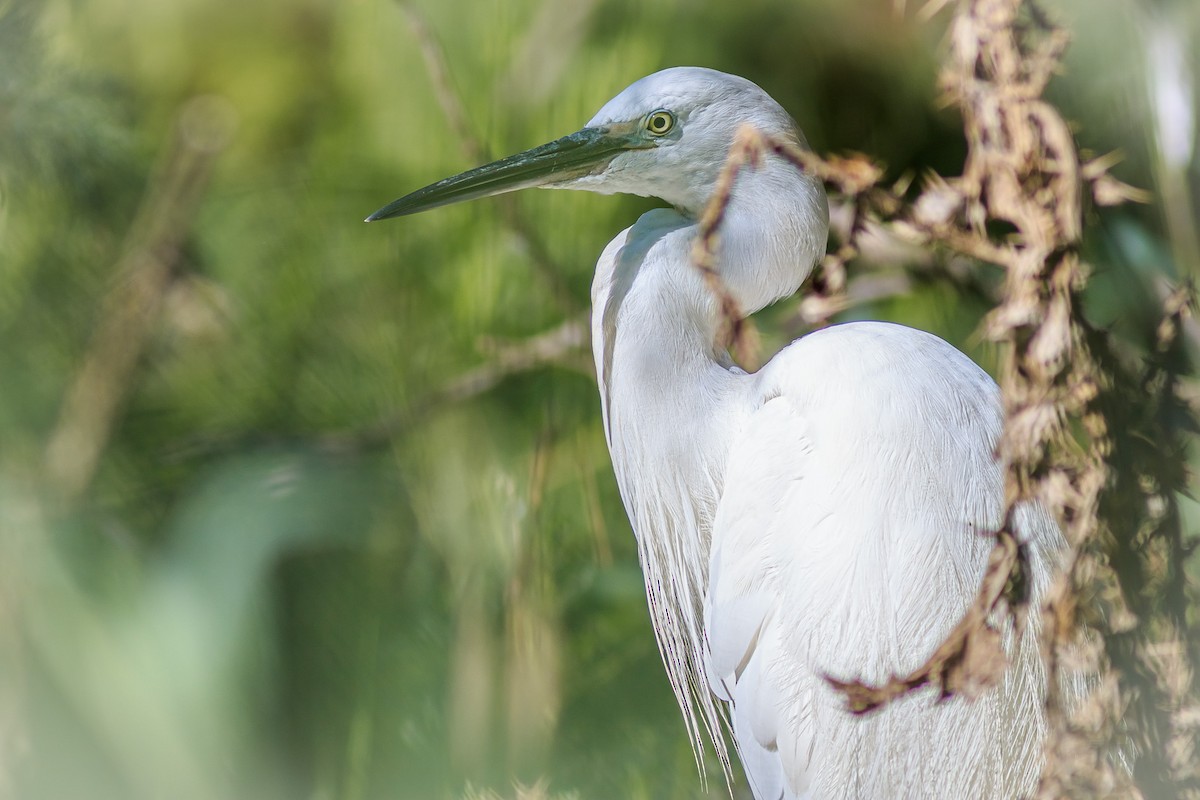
column 581, row 153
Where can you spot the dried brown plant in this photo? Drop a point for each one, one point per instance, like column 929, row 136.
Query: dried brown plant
column 1095, row 439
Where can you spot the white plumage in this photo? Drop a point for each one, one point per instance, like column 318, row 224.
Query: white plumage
column 826, row 515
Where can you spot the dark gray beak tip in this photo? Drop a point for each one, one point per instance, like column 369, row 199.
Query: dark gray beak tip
column 390, row 210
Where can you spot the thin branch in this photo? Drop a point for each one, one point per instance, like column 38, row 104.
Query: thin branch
column 737, row 333
column 475, row 152
column 565, row 345
column 130, row 312
column 966, row 658
column 439, row 77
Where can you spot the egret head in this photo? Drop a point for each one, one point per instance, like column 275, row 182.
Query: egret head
column 666, row 135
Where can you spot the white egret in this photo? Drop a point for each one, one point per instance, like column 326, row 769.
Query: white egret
column 822, row 516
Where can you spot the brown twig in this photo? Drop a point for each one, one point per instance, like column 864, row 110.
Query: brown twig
column 130, row 312
column 969, row 654
column 737, row 333
column 854, row 176
column 1087, row 436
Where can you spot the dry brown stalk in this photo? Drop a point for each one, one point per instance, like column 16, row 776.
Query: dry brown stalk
column 971, row 652
column 854, row 176
column 737, row 333
column 1089, row 437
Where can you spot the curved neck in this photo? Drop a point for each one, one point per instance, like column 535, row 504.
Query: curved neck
column 648, row 292
column 670, row 400
column 773, row 233
column 655, row 322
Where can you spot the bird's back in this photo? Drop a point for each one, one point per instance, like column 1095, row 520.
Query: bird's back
column 849, row 539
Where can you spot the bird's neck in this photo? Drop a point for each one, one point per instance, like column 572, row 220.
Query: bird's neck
column 773, row 231
column 672, row 400
column 663, row 379
column 660, row 366
column 664, row 387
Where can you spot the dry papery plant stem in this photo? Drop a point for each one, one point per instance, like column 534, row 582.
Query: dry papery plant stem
column 1096, row 440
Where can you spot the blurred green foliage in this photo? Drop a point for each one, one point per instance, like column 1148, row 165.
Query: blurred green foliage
column 300, row 568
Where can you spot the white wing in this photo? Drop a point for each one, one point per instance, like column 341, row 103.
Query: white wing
column 848, row 540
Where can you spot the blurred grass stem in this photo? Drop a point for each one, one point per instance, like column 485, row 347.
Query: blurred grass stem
column 129, row 313
column 475, row 152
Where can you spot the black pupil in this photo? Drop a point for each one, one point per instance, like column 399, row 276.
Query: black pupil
column 659, row 122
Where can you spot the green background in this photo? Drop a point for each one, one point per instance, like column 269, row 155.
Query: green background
column 313, row 559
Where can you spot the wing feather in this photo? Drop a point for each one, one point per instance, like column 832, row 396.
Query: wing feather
column 848, row 539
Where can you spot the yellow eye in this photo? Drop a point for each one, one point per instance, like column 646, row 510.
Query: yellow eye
column 660, row 122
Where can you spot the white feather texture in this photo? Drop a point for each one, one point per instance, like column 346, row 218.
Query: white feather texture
column 824, row 516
